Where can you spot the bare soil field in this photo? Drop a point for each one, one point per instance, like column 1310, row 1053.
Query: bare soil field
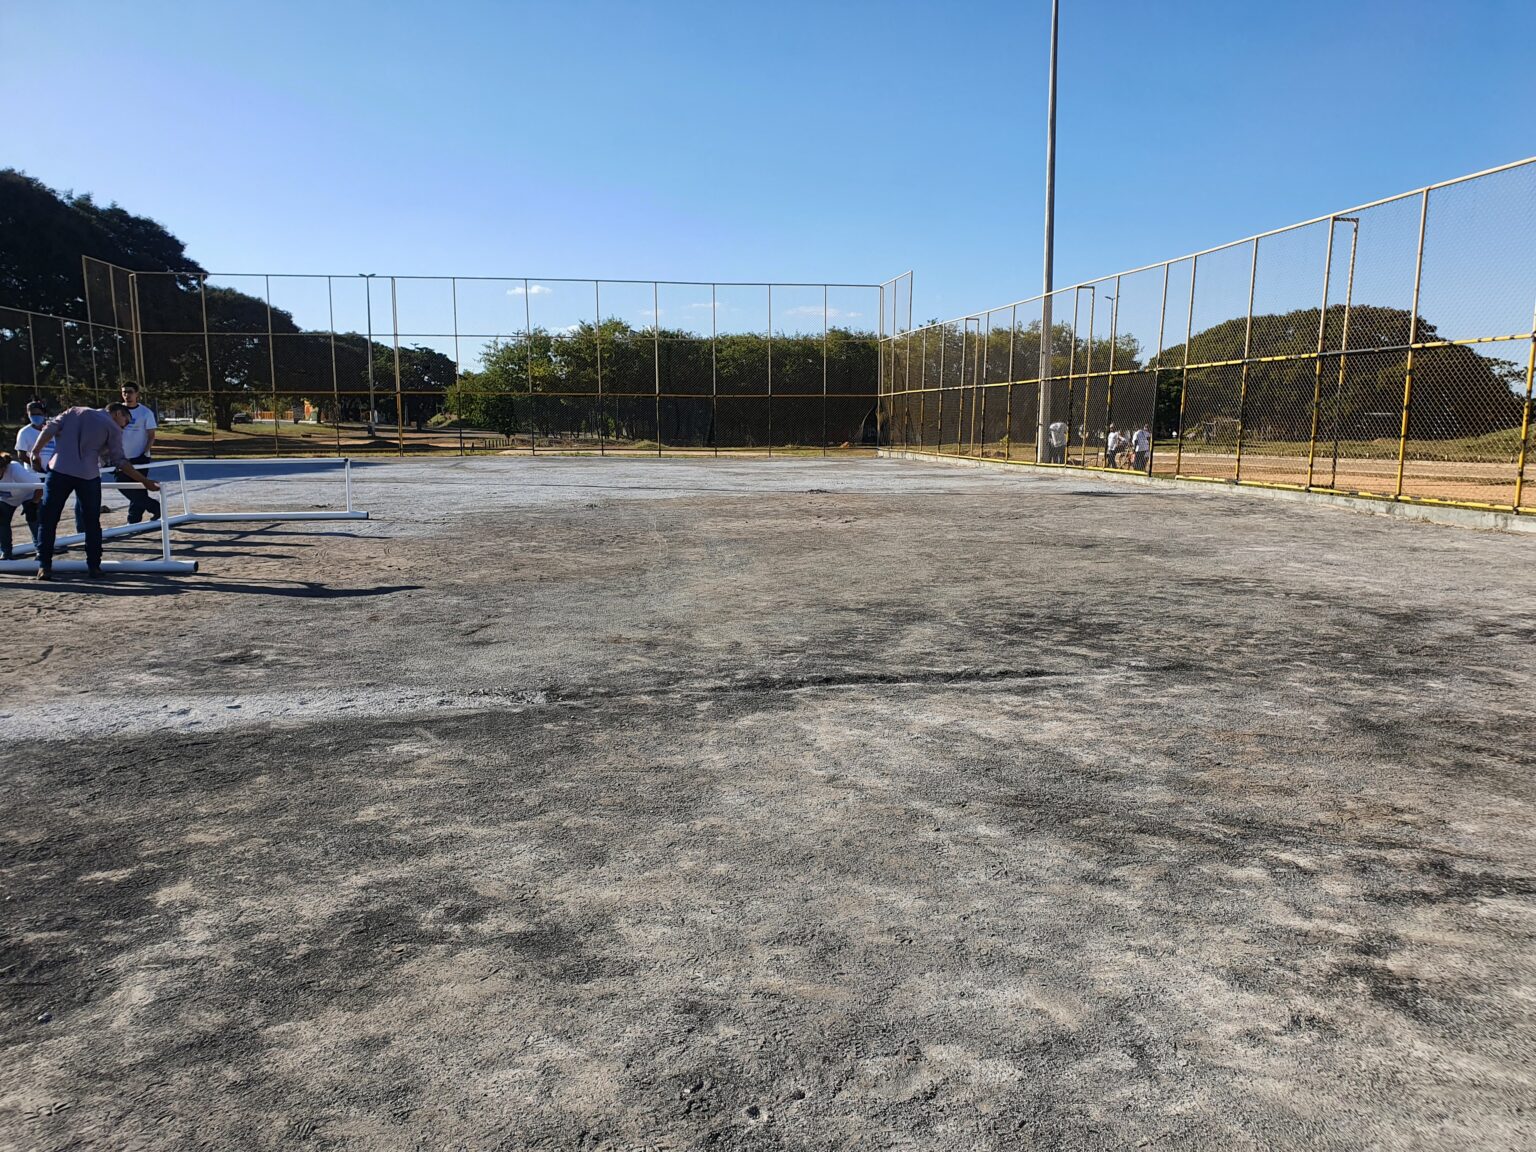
column 794, row 804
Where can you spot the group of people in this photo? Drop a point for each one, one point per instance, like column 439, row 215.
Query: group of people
column 1137, row 446
column 61, row 457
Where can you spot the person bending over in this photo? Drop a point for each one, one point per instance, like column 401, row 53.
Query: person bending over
column 12, row 471
column 83, row 439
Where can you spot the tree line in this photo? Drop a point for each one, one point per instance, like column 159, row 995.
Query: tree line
column 226, row 351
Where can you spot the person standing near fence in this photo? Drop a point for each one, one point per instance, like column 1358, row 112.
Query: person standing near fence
column 13, row 471
column 83, row 438
column 1112, row 448
column 1141, row 448
column 1056, row 442
column 138, row 439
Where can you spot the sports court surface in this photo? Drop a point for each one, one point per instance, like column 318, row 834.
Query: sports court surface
column 801, row 804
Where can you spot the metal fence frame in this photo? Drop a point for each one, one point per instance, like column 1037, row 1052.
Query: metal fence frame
column 115, row 315
column 1330, row 362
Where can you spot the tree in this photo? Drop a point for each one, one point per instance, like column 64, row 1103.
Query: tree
column 1456, row 391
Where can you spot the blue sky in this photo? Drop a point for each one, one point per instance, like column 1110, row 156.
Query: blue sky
column 750, row 141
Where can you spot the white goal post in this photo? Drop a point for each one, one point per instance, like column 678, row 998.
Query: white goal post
column 163, row 470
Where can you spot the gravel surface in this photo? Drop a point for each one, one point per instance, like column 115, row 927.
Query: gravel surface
column 791, row 804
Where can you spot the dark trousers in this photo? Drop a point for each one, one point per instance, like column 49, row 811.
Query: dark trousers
column 140, row 502
column 57, row 490
column 29, row 510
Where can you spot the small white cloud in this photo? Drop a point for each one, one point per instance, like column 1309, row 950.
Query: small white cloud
column 532, row 290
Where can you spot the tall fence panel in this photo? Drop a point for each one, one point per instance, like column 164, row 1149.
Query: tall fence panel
column 270, row 364
column 1384, row 351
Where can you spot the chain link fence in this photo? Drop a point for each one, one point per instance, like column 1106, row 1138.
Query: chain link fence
column 292, row 365
column 1383, row 352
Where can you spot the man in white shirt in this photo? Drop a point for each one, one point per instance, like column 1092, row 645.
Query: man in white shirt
column 1141, row 449
column 138, row 439
column 37, row 416
column 1112, row 446
column 1056, row 441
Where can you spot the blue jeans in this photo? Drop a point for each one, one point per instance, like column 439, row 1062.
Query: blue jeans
column 140, row 502
column 57, row 490
column 29, row 512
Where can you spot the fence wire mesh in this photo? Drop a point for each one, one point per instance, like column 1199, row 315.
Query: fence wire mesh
column 1384, row 351
column 277, row 364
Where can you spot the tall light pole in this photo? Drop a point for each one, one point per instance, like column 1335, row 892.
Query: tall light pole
column 1042, row 433
column 368, row 297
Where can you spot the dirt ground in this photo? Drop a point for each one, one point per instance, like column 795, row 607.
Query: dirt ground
column 794, row 804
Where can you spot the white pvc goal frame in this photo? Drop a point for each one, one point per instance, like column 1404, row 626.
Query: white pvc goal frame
column 167, row 564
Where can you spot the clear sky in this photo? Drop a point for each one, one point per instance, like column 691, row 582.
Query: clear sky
column 782, row 140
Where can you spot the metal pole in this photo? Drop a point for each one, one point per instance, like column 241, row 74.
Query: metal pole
column 597, row 304
column 714, row 377
column 394, row 323
column 1189, row 334
column 907, row 375
column 165, row 533
column 879, row 358
column 458, row 365
column 986, row 349
column 770, row 368
column 1157, row 358
column 136, row 317
column 1013, row 327
column 1413, row 335
column 939, row 388
column 656, row 354
column 90, row 323
column 272, row 365
column 368, row 303
column 1093, row 307
column 1109, row 381
column 1338, row 388
column 970, row 447
column 1042, row 431
column 1077, row 295
column 330, row 300
column 213, row 406
column 1242, row 388
column 824, row 317
column 32, row 354
column 533, row 432
column 1322, row 336
column 1525, row 419
column 922, row 395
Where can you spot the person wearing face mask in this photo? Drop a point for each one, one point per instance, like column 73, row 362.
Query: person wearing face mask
column 37, row 416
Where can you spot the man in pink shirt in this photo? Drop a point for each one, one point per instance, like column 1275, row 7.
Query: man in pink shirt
column 84, row 439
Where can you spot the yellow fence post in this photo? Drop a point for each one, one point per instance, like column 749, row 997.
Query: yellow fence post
column 1189, row 334
column 1013, row 326
column 1242, row 388
column 1413, row 336
column 1525, row 419
column 1317, row 364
